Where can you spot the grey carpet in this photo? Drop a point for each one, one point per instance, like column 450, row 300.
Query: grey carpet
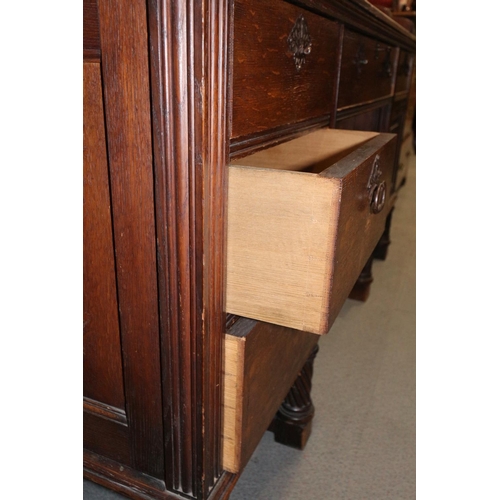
column 363, row 441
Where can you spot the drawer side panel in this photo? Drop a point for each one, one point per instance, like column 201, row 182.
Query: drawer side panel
column 280, row 243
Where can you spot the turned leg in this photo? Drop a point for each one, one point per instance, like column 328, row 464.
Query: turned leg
column 361, row 289
column 384, row 242
column 293, row 423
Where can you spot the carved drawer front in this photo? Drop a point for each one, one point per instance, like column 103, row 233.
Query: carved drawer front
column 303, row 219
column 404, row 71
column 367, row 71
column 261, row 363
column 283, row 66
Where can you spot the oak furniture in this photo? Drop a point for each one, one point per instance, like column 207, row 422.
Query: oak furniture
column 240, row 172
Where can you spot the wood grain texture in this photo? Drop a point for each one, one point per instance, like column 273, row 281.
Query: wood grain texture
column 363, row 17
column 102, row 364
column 358, row 230
column 365, row 60
column 268, row 90
column 104, row 410
column 234, row 363
column 108, row 438
column 188, row 46
column 283, row 227
column 128, row 127
column 139, row 486
column 261, row 363
column 404, row 71
column 91, row 36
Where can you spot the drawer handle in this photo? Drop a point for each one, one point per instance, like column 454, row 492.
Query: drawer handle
column 377, row 200
column 361, row 59
column 376, row 190
column 299, row 42
column 388, row 63
column 406, row 67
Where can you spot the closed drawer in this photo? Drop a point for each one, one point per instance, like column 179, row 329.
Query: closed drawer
column 404, row 71
column 303, row 219
column 261, row 363
column 283, row 65
column 367, row 70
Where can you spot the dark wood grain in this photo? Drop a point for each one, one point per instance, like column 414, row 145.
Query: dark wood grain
column 108, row 438
column 363, row 17
column 369, row 118
column 91, row 37
column 361, row 289
column 382, row 247
column 190, row 153
column 292, row 425
column 273, row 357
column 167, row 115
column 355, row 250
column 268, row 90
column 102, row 364
column 365, row 60
column 404, row 71
column 136, row 485
column 128, row 128
column 104, row 410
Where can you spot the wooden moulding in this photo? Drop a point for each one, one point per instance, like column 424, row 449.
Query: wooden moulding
column 261, row 364
column 300, row 228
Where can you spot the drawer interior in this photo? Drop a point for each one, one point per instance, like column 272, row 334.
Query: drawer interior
column 300, row 228
column 313, row 152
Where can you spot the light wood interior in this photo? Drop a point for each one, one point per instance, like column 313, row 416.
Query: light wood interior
column 312, row 152
column 284, row 226
column 281, row 232
column 234, row 350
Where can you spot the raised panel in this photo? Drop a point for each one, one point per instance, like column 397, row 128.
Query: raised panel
column 102, row 375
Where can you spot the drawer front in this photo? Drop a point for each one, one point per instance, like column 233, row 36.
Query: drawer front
column 367, row 71
column 274, row 82
column 297, row 241
column 261, row 363
column 404, row 71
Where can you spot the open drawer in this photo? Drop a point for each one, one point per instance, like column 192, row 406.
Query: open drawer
column 261, row 362
column 303, row 219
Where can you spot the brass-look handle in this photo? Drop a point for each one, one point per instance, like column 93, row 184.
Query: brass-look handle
column 376, row 190
column 377, row 198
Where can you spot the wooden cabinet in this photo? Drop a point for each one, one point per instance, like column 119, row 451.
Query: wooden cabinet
column 187, row 109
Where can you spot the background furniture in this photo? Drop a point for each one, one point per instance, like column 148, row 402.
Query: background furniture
column 173, row 93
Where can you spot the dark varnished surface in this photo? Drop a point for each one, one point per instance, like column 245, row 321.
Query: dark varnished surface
column 128, row 131
column 177, row 180
column 102, row 364
column 373, row 117
column 404, row 71
column 274, row 356
column 91, row 37
column 190, row 153
column 359, row 230
column 268, row 90
column 365, row 60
